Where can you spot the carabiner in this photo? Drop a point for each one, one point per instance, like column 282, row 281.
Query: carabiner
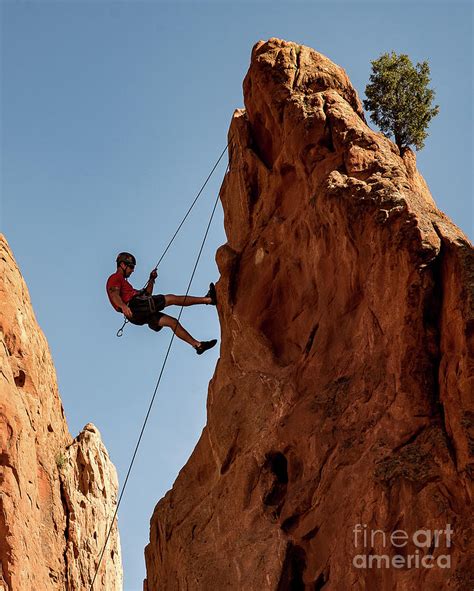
column 120, row 330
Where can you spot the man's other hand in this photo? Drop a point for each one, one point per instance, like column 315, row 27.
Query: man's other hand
column 127, row 312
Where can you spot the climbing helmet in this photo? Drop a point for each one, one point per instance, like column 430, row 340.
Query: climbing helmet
column 127, row 258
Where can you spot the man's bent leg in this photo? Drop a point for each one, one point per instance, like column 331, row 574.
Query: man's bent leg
column 180, row 332
column 175, row 300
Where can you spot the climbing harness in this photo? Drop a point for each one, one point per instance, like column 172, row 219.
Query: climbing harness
column 121, row 329
column 167, row 352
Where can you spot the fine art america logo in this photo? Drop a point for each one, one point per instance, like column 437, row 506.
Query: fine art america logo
column 416, row 550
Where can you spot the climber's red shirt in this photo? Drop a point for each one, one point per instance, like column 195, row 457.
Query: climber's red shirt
column 126, row 290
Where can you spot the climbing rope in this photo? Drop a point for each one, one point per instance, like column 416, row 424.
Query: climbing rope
column 164, row 362
column 120, row 330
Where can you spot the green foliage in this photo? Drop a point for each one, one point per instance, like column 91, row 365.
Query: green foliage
column 399, row 99
column 60, row 460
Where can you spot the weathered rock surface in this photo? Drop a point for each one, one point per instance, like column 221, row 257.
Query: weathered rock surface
column 89, row 488
column 344, row 390
column 55, row 492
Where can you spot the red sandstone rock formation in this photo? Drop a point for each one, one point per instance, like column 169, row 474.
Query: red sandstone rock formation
column 56, row 493
column 342, row 402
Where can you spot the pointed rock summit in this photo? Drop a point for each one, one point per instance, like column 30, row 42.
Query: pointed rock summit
column 339, row 446
column 58, row 495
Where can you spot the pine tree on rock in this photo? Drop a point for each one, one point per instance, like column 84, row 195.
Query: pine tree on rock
column 399, row 99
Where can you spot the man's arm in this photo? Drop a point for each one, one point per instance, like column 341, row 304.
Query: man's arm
column 151, row 282
column 117, row 301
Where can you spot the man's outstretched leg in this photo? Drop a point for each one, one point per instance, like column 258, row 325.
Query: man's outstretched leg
column 184, row 335
column 175, row 300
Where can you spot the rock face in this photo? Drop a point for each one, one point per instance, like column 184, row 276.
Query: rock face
column 56, row 492
column 89, row 489
column 340, row 428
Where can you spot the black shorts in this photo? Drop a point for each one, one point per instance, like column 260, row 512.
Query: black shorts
column 146, row 310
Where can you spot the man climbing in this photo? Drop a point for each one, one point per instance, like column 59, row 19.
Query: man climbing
column 141, row 307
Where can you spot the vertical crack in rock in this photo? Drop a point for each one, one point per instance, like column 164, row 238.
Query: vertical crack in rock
column 233, row 450
column 67, row 541
column 312, row 334
column 320, row 582
column 433, row 327
column 296, row 66
column 326, row 140
column 5, row 548
column 234, row 279
column 293, row 569
column 277, row 464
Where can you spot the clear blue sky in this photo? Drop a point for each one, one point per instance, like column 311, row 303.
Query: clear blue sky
column 113, row 113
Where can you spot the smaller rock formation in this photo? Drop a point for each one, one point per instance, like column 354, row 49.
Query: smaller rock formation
column 89, row 488
column 56, row 495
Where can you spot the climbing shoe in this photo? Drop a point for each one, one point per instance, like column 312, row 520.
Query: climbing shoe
column 205, row 345
column 212, row 294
